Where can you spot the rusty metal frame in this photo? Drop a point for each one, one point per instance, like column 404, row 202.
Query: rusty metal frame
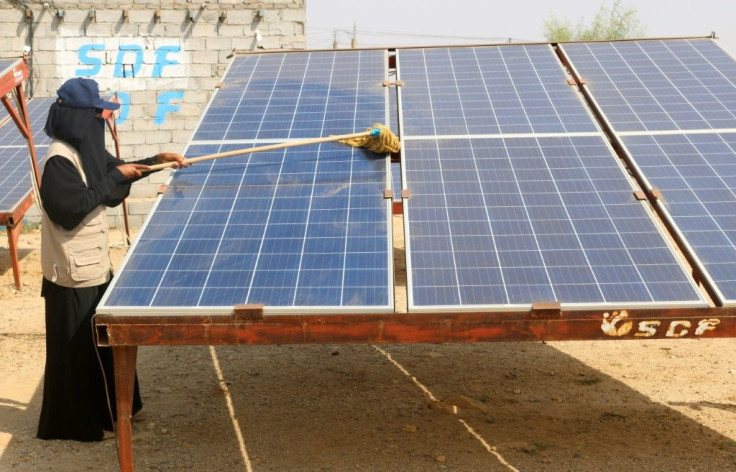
column 12, row 83
column 248, row 326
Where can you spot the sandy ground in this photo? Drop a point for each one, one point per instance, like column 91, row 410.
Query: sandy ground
column 665, row 405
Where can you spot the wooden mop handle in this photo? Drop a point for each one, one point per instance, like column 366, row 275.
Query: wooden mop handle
column 270, row 147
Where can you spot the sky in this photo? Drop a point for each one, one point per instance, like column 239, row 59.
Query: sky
column 424, row 22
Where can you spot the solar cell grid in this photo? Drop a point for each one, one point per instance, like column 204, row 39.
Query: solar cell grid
column 696, row 174
column 487, row 90
column 659, row 85
column 37, row 110
column 15, row 167
column 5, row 63
column 280, row 96
column 298, row 229
column 500, row 222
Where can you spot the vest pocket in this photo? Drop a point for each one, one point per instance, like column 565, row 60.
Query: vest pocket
column 86, row 263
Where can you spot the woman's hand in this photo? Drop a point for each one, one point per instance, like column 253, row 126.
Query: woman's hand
column 178, row 160
column 133, row 171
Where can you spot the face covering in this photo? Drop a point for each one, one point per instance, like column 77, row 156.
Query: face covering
column 81, row 129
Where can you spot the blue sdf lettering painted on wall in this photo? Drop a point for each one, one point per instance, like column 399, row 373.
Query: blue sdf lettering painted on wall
column 164, row 56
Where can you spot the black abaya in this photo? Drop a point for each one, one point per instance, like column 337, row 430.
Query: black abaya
column 74, row 402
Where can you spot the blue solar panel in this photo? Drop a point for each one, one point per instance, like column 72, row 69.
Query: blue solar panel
column 696, row 174
column 297, row 229
column 6, row 64
column 37, row 110
column 487, row 90
column 659, row 85
column 280, row 96
column 499, row 222
column 15, row 167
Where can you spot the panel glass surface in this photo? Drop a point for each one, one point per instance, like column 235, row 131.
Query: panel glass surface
column 659, row 85
column 280, row 96
column 15, row 167
column 487, row 90
column 696, row 174
column 497, row 222
column 296, row 229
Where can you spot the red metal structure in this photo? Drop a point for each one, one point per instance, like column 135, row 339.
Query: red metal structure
column 11, row 83
column 247, row 326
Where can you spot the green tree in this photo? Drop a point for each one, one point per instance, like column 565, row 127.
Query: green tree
column 616, row 21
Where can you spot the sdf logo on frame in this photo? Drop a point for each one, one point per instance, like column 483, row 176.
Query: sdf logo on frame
column 617, row 324
column 134, row 62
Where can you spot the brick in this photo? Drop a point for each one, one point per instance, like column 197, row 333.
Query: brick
column 182, row 136
column 200, row 70
column 209, row 15
column 152, row 29
column 13, row 46
column 203, row 30
column 74, row 16
column 204, row 57
column 193, row 44
column 97, row 30
column 126, row 29
column 219, row 44
column 173, row 16
column 271, row 42
column 9, row 30
column 293, row 16
column 46, row 44
column 70, row 30
column 44, row 58
column 129, row 139
column 140, row 16
column 240, row 17
column 12, row 15
column 140, row 190
column 139, row 206
column 246, row 43
column 158, row 137
column 145, row 150
column 231, row 31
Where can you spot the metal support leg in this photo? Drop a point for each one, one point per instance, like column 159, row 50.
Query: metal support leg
column 13, row 235
column 124, row 361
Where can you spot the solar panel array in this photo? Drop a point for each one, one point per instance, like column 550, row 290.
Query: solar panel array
column 516, row 196
column 296, row 229
column 672, row 103
column 505, row 220
column 15, row 167
column 659, row 85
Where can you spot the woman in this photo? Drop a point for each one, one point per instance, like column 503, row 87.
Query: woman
column 80, row 179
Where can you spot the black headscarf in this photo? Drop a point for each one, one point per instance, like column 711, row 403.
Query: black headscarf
column 80, row 128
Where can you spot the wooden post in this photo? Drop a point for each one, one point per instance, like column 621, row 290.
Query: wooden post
column 13, row 235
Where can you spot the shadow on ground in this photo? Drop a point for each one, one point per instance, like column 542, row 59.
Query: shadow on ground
column 340, row 408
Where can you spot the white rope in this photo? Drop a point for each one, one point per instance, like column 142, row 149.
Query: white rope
column 430, row 395
column 231, row 410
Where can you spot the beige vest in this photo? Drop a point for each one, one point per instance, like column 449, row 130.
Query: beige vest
column 79, row 257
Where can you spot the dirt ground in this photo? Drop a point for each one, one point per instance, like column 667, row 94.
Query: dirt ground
column 566, row 406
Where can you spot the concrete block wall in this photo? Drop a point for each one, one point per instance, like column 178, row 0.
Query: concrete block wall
column 162, row 58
